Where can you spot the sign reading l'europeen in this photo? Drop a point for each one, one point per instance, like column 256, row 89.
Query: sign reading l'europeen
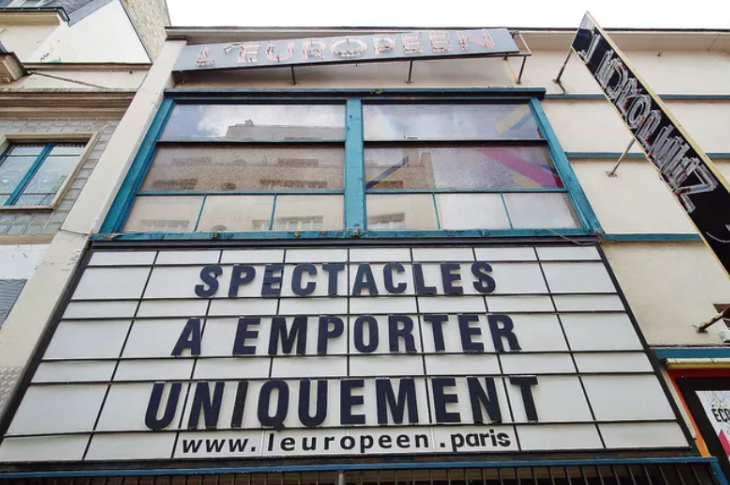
column 220, row 353
column 337, row 50
column 688, row 172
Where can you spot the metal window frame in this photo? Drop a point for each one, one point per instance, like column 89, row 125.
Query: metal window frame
column 355, row 213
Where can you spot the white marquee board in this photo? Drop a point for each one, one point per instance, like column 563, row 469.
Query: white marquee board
column 246, row 353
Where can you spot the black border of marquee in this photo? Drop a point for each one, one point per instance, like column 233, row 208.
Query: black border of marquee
column 263, row 463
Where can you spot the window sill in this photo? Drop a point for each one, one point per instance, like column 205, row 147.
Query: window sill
column 26, row 208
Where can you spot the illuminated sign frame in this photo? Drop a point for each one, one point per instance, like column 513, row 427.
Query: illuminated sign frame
column 693, row 179
column 420, row 45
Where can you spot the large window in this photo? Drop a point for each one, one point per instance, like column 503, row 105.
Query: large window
column 34, row 175
column 366, row 166
column 460, row 167
column 245, row 167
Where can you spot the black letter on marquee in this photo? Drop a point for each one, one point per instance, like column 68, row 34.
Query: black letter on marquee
column 296, row 279
column 468, row 332
column 420, row 283
column 189, row 338
column 364, row 279
column 272, row 280
column 243, row 333
column 486, row 283
column 386, row 399
column 305, row 391
column 238, row 406
column 525, row 382
column 208, row 275
column 441, row 399
column 282, row 406
column 241, row 274
column 405, row 333
column 436, row 322
column 388, row 270
column 333, row 270
column 347, row 401
column 449, row 278
column 297, row 334
column 202, row 402
column 325, row 333
column 153, row 406
column 480, row 398
column 359, row 339
column 505, row 331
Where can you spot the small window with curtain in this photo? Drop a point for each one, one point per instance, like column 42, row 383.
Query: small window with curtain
column 460, row 167
column 245, row 168
column 35, row 175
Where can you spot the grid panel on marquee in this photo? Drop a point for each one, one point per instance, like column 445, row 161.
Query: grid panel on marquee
column 117, row 332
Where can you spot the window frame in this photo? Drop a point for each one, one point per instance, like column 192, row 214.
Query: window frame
column 8, row 140
column 355, row 215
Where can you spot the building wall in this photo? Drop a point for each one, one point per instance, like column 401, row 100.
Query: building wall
column 633, row 204
column 150, row 17
column 46, row 222
column 24, row 39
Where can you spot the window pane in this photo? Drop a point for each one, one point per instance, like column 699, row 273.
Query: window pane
column 236, row 213
column 448, row 121
column 401, row 211
column 26, row 150
column 47, row 181
column 12, row 171
column 164, row 214
column 535, row 211
column 460, row 167
column 246, row 168
column 256, row 122
column 309, row 213
column 472, row 211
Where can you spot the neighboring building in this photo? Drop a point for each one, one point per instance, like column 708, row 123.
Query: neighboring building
column 68, row 72
column 353, row 272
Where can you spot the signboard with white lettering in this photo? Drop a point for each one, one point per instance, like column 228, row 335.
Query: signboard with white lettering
column 338, row 50
column 688, row 172
column 226, row 353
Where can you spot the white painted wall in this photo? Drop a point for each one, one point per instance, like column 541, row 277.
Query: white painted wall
column 635, row 201
column 670, row 286
column 107, row 35
column 20, row 262
column 23, row 40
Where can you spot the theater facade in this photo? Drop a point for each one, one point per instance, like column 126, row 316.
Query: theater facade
column 360, row 256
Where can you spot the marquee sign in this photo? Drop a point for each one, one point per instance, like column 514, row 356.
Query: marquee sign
column 688, row 172
column 225, row 353
column 337, row 50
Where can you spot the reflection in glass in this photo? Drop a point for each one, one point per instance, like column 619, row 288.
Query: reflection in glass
column 460, row 167
column 251, row 122
column 309, row 213
column 448, row 121
column 401, row 211
column 164, row 213
column 472, row 211
column 236, row 213
column 12, row 172
column 246, row 168
column 536, row 211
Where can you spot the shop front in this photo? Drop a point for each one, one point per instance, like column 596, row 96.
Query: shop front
column 310, row 286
